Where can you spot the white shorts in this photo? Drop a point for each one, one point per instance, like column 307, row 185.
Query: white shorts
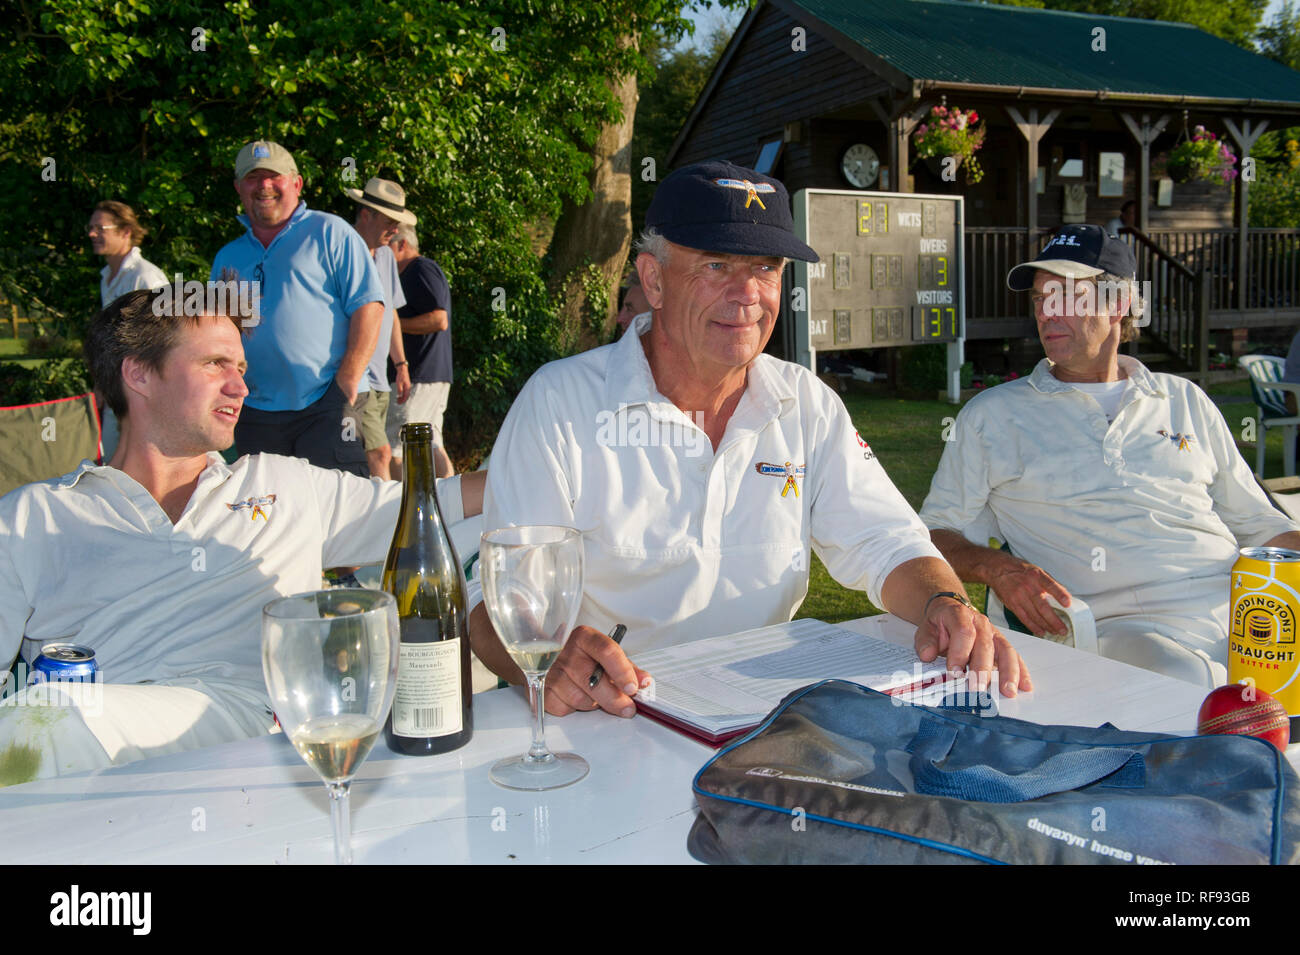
column 428, row 402
column 55, row 729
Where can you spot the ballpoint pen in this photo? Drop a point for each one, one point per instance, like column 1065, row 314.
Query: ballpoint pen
column 597, row 674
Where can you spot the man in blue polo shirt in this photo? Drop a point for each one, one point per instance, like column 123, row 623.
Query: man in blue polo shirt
column 320, row 311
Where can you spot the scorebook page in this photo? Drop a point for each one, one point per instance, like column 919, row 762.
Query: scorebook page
column 734, row 680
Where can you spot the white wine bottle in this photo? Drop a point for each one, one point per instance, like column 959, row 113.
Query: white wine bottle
column 432, row 708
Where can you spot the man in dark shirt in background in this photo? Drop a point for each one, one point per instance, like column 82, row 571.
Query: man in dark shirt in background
column 426, row 335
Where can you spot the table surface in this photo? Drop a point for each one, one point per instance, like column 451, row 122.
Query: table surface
column 256, row 801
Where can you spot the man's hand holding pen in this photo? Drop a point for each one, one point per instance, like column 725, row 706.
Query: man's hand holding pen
column 569, row 685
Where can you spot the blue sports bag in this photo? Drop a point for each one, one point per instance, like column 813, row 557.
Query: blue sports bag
column 839, row 773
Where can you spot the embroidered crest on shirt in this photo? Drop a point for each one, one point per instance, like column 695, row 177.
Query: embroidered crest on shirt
column 258, row 506
column 867, row 453
column 1182, row 440
column 753, row 188
column 787, row 471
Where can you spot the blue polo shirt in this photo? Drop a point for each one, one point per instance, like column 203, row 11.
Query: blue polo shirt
column 316, row 272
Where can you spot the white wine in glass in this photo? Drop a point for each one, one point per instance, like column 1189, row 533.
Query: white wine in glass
column 330, row 662
column 532, row 587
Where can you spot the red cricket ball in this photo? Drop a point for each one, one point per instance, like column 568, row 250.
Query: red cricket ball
column 1244, row 710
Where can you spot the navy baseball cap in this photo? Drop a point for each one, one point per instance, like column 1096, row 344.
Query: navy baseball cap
column 721, row 207
column 1077, row 252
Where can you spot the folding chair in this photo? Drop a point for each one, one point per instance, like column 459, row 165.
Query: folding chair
column 1270, row 393
column 47, row 439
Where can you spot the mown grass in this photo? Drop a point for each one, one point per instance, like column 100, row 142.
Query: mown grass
column 15, row 350
column 907, row 436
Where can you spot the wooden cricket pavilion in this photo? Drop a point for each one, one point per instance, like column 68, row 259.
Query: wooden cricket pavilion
column 1061, row 94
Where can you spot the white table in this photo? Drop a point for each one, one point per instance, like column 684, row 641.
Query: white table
column 256, row 801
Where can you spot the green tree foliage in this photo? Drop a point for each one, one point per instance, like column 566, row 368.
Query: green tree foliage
column 1275, row 194
column 1279, row 39
column 667, row 95
column 483, row 109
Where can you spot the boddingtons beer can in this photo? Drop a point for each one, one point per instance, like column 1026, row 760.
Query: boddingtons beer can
column 1265, row 602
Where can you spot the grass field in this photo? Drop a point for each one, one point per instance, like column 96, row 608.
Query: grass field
column 15, row 350
column 907, row 436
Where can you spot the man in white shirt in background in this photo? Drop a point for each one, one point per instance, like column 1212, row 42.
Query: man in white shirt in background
column 381, row 210
column 1107, row 481
column 115, row 233
column 162, row 560
column 702, row 472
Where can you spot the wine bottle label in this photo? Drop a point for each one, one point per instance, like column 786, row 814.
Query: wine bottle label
column 427, row 702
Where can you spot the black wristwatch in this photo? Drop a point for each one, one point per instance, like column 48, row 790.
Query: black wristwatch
column 960, row 598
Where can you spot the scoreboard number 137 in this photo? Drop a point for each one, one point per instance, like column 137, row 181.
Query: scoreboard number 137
column 934, row 323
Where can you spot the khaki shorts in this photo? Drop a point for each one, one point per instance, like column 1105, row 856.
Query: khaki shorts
column 428, row 402
column 372, row 420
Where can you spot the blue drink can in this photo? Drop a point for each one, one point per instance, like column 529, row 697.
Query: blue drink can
column 58, row 662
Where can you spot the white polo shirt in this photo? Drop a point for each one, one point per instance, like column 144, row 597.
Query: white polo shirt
column 93, row 558
column 135, row 272
column 681, row 542
column 1161, row 494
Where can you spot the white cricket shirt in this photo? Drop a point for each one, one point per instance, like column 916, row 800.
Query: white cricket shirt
column 681, row 542
column 1160, row 494
column 92, row 557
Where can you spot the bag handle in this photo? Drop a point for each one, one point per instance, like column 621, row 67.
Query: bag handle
column 1056, row 774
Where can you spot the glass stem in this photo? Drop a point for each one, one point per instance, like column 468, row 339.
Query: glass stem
column 537, row 690
column 340, row 816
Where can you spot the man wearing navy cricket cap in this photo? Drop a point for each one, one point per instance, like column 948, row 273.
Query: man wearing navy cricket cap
column 702, row 471
column 1107, row 481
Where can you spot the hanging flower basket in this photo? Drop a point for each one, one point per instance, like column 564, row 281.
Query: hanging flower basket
column 949, row 131
column 1204, row 156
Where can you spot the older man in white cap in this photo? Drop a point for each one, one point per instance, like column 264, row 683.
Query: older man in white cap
column 381, row 211
column 1106, row 480
column 321, row 310
column 706, row 528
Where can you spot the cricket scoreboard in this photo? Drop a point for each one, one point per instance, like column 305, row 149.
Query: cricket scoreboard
column 890, row 274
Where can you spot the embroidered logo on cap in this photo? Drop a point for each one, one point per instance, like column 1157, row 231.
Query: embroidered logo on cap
column 1182, row 440
column 787, row 471
column 1062, row 239
column 754, row 188
column 261, row 152
column 258, row 505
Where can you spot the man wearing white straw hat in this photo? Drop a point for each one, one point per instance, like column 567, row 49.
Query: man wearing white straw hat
column 381, row 211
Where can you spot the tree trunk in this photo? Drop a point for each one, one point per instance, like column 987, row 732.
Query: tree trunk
column 591, row 240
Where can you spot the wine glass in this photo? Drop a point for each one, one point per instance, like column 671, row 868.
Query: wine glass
column 330, row 662
column 532, row 586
